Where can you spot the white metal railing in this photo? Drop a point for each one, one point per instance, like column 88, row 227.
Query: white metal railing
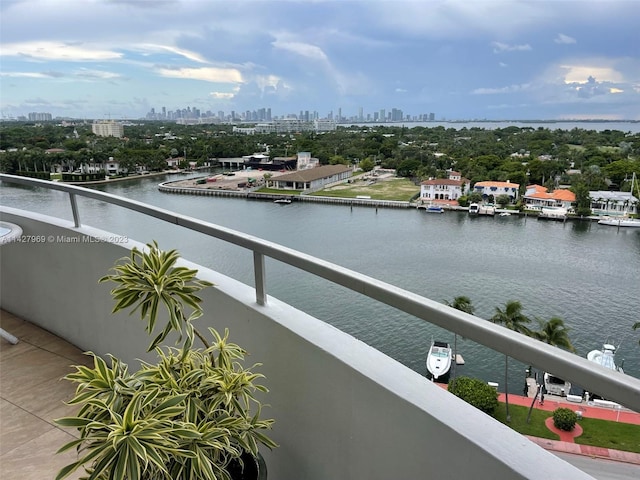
column 615, row 386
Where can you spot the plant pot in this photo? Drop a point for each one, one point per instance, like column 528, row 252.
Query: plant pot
column 251, row 468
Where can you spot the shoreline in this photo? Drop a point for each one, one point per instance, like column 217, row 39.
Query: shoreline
column 254, row 194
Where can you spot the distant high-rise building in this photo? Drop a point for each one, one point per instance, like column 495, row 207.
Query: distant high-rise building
column 108, row 129
column 383, row 115
column 39, row 117
column 360, row 116
column 396, row 115
column 432, row 117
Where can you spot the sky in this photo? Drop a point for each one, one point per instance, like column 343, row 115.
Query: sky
column 461, row 60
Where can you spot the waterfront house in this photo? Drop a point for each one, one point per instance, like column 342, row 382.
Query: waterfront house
column 311, row 179
column 112, row 167
column 450, row 188
column 605, row 202
column 305, row 161
column 174, row 163
column 491, row 189
column 538, row 196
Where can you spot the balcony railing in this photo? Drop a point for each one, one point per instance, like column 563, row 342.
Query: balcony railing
column 614, row 386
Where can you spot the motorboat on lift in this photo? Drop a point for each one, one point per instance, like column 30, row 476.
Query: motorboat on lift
column 605, row 357
column 556, row 386
column 439, row 360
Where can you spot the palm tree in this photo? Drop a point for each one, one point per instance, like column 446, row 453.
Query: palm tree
column 512, row 318
column 463, row 304
column 554, row 332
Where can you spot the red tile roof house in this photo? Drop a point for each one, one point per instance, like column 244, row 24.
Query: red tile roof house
column 444, row 190
column 539, row 196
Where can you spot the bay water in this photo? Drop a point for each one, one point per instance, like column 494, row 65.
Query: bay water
column 584, row 273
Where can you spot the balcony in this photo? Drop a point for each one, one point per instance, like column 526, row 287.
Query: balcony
column 342, row 409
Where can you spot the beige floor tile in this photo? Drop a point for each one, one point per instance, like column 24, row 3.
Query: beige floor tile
column 28, row 370
column 37, row 459
column 18, row 427
column 32, row 396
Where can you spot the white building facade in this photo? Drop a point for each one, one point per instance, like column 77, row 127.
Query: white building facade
column 451, row 188
column 108, row 129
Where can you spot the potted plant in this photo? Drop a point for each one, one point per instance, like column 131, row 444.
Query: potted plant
column 192, row 415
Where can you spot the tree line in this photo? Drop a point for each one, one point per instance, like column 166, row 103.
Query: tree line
column 604, row 159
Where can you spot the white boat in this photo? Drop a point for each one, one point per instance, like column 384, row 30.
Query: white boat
column 623, row 221
column 556, row 386
column 487, row 209
column 605, row 357
column 504, row 214
column 474, row 208
column 439, row 360
column 553, row 213
column 434, row 209
column 282, row 201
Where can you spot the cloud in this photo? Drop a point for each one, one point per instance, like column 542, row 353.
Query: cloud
column 96, row 74
column 508, row 89
column 193, row 56
column 303, row 49
column 583, row 73
column 591, row 88
column 25, row 75
column 222, row 95
column 51, row 50
column 499, row 47
column 206, row 74
column 564, row 39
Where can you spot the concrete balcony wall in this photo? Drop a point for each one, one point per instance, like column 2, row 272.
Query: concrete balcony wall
column 343, row 410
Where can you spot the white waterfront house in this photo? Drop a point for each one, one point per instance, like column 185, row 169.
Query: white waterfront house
column 451, row 188
column 494, row 189
column 604, row 202
column 112, row 167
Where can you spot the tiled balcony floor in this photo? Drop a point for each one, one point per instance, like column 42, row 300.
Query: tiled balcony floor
column 32, row 395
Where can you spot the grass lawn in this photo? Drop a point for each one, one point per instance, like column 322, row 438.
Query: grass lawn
column 619, row 436
column 597, row 433
column 536, row 428
column 401, row 189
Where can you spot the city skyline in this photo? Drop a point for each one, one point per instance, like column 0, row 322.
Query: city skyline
column 494, row 60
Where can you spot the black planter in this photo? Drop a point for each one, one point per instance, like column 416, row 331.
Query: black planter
column 251, row 468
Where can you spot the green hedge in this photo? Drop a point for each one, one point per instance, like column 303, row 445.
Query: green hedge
column 476, row 392
column 564, row 419
column 82, row 177
column 39, row 175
